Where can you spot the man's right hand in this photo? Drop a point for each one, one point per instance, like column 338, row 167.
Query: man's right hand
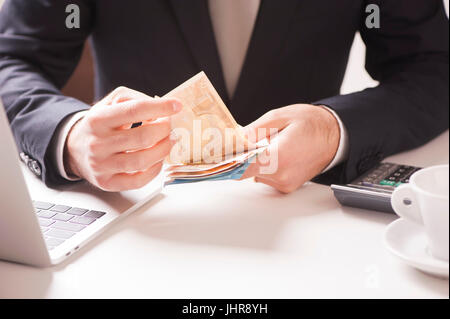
column 103, row 148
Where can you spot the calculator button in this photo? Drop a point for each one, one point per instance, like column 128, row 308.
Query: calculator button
column 387, row 182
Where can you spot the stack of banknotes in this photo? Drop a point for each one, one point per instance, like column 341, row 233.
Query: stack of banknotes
column 210, row 145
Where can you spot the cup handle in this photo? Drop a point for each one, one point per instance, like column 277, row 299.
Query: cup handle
column 405, row 204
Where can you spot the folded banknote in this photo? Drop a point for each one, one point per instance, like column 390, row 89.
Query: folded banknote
column 210, row 144
column 232, row 168
column 206, row 130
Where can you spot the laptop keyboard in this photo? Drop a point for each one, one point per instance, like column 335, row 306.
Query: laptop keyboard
column 60, row 222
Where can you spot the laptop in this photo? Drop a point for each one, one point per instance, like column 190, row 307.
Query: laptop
column 45, row 230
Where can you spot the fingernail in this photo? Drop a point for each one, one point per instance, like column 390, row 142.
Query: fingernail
column 176, row 106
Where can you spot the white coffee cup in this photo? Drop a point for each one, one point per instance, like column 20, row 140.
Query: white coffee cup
column 424, row 200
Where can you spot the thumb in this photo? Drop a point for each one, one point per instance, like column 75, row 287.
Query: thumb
column 268, row 124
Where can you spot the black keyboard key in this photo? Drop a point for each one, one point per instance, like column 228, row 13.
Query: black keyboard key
column 94, row 214
column 77, row 211
column 60, row 208
column 42, row 205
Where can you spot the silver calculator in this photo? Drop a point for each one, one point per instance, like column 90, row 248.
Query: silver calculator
column 373, row 190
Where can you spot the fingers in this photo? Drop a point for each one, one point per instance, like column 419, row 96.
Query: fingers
column 125, row 181
column 261, row 128
column 139, row 160
column 121, row 94
column 285, row 189
column 252, row 170
column 111, row 155
column 275, row 169
column 132, row 111
column 262, row 161
column 138, row 138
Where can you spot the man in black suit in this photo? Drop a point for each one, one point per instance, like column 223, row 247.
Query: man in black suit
column 259, row 54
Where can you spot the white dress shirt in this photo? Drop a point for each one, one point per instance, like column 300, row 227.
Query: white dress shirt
column 233, row 22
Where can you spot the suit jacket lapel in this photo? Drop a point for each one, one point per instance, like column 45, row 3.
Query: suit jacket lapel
column 270, row 31
column 195, row 24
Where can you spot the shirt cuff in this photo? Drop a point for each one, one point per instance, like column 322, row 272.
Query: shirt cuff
column 62, row 133
column 342, row 151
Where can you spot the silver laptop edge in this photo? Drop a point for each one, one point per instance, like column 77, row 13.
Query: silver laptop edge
column 21, row 238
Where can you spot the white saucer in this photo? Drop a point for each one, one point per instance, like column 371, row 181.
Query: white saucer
column 408, row 241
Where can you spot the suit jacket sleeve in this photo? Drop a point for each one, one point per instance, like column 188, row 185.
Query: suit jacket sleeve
column 38, row 53
column 408, row 55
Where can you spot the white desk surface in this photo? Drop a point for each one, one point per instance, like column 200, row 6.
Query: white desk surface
column 237, row 240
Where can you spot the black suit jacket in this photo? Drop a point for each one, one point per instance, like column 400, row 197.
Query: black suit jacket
column 297, row 54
